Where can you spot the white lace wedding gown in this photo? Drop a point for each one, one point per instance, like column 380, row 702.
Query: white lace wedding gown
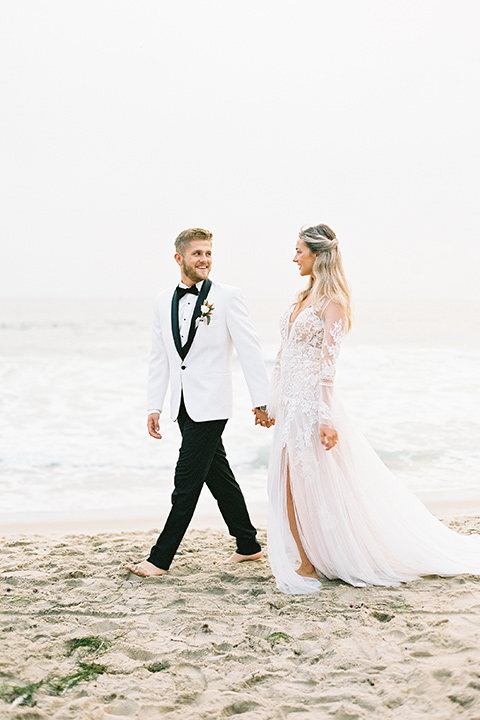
column 356, row 521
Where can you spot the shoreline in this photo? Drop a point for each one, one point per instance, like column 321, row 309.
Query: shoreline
column 443, row 504
column 94, row 522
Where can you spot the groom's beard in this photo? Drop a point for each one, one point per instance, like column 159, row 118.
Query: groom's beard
column 191, row 272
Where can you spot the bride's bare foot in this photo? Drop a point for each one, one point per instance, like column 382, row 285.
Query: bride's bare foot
column 145, row 569
column 237, row 558
column 307, row 571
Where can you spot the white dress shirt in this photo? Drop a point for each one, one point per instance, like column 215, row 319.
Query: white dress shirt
column 186, row 306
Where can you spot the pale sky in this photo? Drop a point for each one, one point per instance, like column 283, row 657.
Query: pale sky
column 125, row 122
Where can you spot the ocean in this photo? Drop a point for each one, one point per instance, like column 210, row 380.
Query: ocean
column 73, row 410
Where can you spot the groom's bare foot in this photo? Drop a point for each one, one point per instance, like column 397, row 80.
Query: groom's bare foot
column 145, row 569
column 237, row 558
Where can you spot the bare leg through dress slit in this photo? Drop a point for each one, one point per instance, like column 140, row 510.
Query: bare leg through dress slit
column 306, row 568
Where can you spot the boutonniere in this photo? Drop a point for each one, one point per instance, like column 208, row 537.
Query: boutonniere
column 206, row 310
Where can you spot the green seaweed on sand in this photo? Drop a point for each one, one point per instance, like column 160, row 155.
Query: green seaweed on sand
column 85, row 672
column 91, row 643
column 56, row 685
column 20, row 694
column 276, row 637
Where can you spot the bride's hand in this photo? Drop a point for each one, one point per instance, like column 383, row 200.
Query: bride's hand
column 262, row 418
column 328, row 437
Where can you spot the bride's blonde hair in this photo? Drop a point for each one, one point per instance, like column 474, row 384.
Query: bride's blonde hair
column 328, row 278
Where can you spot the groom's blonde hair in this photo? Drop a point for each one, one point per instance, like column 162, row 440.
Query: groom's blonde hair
column 188, row 236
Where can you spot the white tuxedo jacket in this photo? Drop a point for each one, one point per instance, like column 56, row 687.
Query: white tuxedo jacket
column 205, row 374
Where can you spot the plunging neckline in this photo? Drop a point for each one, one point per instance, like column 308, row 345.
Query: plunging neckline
column 292, row 322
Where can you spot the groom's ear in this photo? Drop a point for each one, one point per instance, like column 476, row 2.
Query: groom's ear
column 178, row 259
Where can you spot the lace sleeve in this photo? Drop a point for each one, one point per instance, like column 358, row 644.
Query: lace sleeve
column 334, row 319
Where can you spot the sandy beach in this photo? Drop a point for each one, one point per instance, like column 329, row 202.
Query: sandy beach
column 81, row 638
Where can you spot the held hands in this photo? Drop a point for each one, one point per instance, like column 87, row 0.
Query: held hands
column 261, row 418
column 328, row 437
column 153, row 425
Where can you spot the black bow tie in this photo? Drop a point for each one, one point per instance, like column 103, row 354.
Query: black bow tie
column 183, row 291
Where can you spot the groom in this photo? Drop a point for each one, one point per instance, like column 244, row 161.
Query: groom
column 195, row 328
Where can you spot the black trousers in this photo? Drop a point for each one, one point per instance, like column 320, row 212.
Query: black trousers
column 202, row 459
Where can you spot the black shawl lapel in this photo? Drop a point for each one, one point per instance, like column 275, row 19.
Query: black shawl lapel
column 175, row 328
column 196, row 314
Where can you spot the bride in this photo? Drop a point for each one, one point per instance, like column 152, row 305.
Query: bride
column 335, row 510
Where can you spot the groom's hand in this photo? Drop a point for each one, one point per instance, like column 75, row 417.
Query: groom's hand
column 153, row 425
